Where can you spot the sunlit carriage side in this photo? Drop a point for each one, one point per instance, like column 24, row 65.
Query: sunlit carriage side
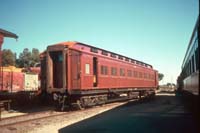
column 80, row 74
column 188, row 80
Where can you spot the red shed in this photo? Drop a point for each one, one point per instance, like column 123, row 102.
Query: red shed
column 4, row 33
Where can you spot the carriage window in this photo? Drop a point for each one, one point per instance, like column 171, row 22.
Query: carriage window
column 152, row 77
column 145, row 75
column 129, row 73
column 197, row 58
column 190, row 67
column 94, row 50
column 104, row 70
column 193, row 65
column 132, row 61
column 122, row 72
column 149, row 76
column 127, row 59
column 135, row 73
column 104, row 53
column 60, row 58
column 120, row 57
column 87, row 68
column 140, row 75
column 113, row 55
column 113, row 71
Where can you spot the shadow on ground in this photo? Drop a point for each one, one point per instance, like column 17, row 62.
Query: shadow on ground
column 23, row 103
column 164, row 114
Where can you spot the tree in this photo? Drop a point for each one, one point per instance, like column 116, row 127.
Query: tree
column 24, row 58
column 8, row 58
column 27, row 58
column 160, row 76
column 35, row 56
column 169, row 84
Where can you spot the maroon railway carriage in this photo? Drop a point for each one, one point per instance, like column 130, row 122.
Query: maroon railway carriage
column 76, row 73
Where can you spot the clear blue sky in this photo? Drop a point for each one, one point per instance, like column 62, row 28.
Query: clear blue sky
column 153, row 31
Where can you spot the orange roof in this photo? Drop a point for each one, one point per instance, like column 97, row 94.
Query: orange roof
column 68, row 43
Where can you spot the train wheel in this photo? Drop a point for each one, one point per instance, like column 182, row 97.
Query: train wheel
column 80, row 104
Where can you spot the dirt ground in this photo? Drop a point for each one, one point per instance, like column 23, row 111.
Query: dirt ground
column 165, row 114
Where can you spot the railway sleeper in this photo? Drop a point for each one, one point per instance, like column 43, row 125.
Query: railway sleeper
column 60, row 101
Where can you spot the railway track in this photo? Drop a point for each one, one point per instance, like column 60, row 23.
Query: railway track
column 29, row 117
column 16, row 120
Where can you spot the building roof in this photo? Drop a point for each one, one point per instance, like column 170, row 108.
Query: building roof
column 8, row 34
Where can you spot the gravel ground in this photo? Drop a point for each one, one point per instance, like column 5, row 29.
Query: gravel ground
column 53, row 124
column 11, row 113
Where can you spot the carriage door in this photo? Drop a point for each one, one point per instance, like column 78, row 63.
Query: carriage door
column 56, row 75
column 75, row 69
column 95, row 79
